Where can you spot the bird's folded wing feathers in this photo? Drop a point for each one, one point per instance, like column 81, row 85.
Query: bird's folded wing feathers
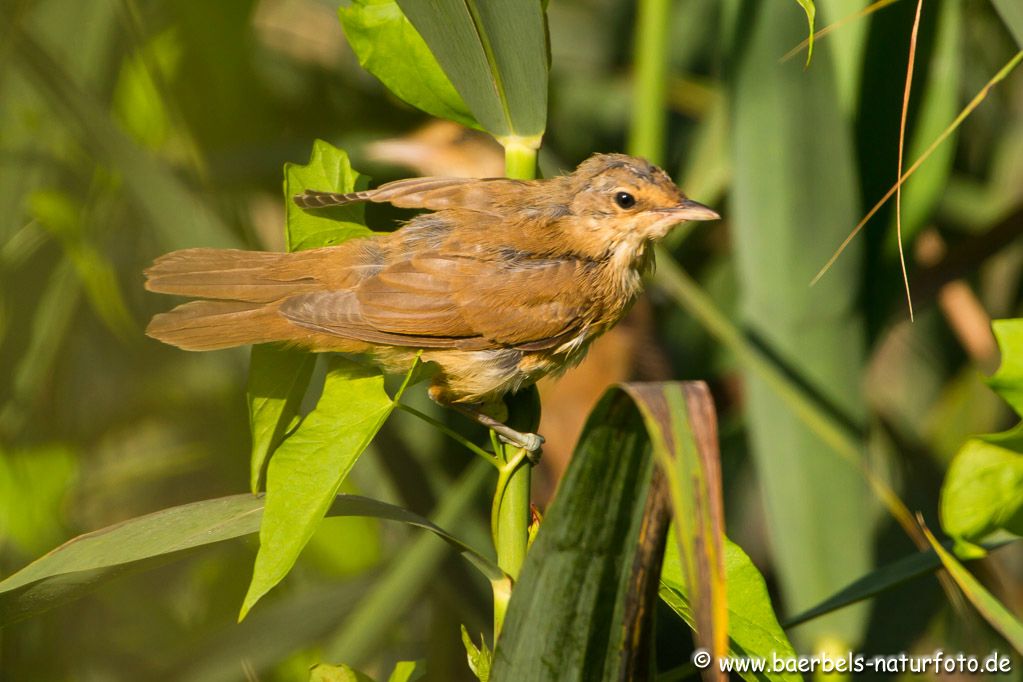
column 446, row 301
column 434, row 194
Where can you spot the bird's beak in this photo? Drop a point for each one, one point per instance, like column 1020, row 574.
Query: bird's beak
column 688, row 209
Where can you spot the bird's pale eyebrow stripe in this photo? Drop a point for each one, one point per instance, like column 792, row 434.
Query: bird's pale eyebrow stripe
column 641, row 173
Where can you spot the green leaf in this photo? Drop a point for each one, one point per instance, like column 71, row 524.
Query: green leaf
column 994, row 612
column 323, row 672
column 328, row 170
column 83, row 563
column 577, row 605
column 480, row 657
column 408, row 671
column 879, row 580
column 390, row 48
column 308, row 468
column 495, row 54
column 753, row 628
column 983, row 489
column 1008, row 380
column 278, row 377
column 811, row 14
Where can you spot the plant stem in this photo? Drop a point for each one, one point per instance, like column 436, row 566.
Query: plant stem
column 647, row 132
column 510, row 509
column 520, row 156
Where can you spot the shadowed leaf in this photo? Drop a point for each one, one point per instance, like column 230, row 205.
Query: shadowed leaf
column 590, row 578
column 278, row 380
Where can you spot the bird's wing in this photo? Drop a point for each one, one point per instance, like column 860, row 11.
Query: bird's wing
column 434, row 194
column 438, row 300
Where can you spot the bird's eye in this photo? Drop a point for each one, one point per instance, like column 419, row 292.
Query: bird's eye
column 625, row 200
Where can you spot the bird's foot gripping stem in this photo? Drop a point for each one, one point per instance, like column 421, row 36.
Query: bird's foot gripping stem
column 530, row 442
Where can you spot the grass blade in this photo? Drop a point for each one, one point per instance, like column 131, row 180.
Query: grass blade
column 993, row 611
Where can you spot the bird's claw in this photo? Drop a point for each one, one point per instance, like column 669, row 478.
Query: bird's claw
column 530, row 442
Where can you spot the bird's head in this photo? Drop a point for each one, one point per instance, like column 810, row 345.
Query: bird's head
column 627, row 200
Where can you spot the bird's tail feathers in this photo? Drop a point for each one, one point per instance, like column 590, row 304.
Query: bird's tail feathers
column 212, row 325
column 228, row 275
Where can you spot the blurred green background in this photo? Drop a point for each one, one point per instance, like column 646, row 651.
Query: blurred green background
column 129, row 128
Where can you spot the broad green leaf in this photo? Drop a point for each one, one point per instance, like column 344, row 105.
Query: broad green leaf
column 408, row 671
column 983, row 489
column 495, row 54
column 793, row 201
column 575, row 611
column 1008, row 380
column 278, row 380
column 994, row 612
column 682, row 425
column 308, row 468
column 753, row 628
column 328, row 170
column 337, row 673
column 83, row 563
column 390, row 48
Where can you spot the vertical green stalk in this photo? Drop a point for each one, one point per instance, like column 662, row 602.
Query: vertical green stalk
column 520, row 156
column 647, row 133
column 510, row 511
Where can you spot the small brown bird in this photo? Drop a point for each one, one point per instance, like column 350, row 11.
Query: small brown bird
column 505, row 282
